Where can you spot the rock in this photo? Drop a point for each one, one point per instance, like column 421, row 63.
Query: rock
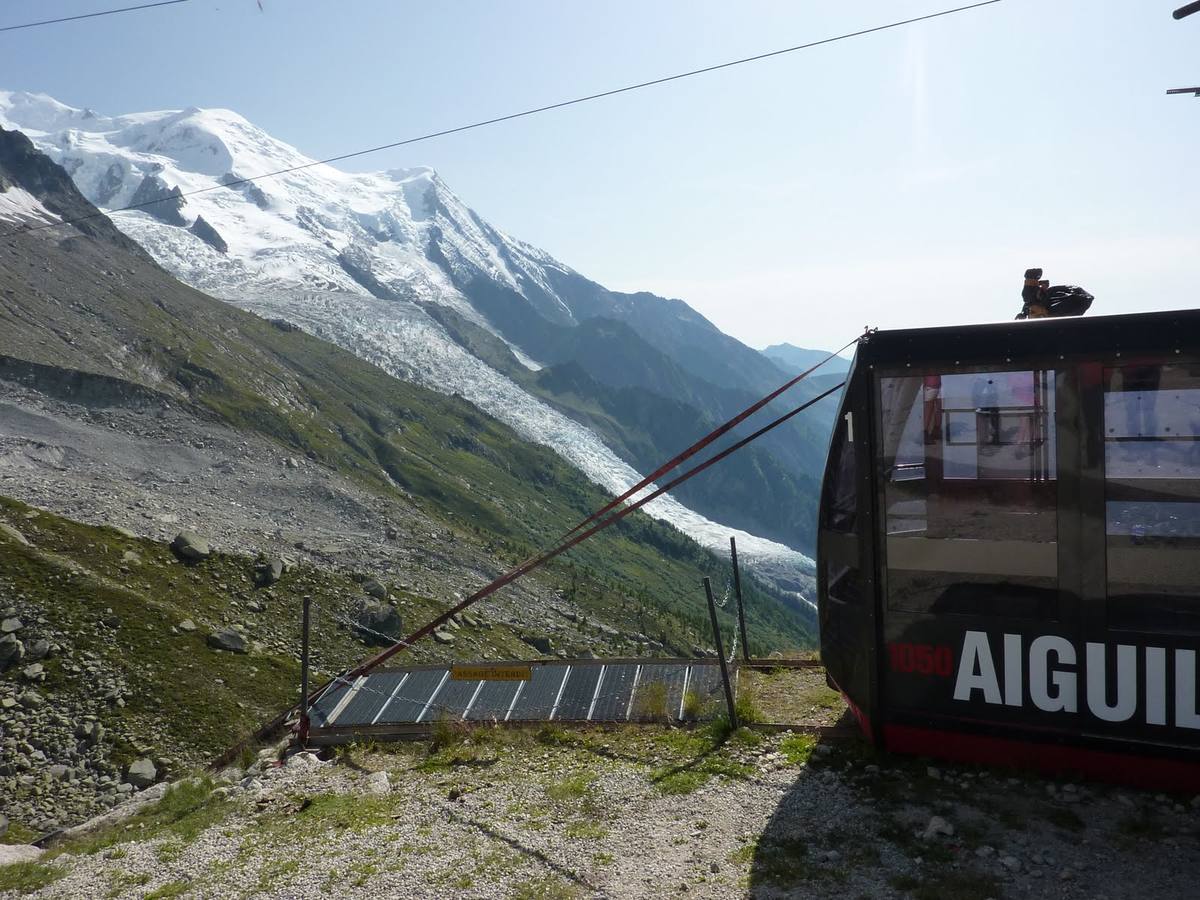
column 141, row 774
column 12, row 651
column 937, row 826
column 187, row 625
column 374, row 589
column 59, row 772
column 203, row 230
column 34, row 673
column 131, row 558
column 291, row 463
column 11, row 625
column 1011, row 863
column 31, row 700
column 379, row 783
column 229, row 640
column 90, row 733
column 538, row 642
column 3, row 824
column 377, row 623
column 392, row 533
column 190, row 546
column 18, row 853
column 443, row 637
column 267, row 572
column 39, row 649
column 12, row 534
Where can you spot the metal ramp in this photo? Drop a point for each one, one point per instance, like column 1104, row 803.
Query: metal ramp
column 407, row 702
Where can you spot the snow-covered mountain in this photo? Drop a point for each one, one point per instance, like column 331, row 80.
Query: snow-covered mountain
column 358, row 258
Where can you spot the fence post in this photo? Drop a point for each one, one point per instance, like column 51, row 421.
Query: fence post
column 737, row 590
column 303, row 732
column 712, row 612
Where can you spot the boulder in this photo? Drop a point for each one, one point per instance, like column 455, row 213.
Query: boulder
column 141, row 774
column 267, row 572
column 374, row 589
column 12, row 651
column 379, row 783
column 12, row 533
column 443, row 637
column 18, row 853
column 39, row 649
column 538, row 642
column 187, row 625
column 190, row 546
column 34, row 672
column 229, row 640
column 377, row 623
column 11, row 625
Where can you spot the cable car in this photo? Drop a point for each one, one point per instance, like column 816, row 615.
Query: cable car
column 1009, row 545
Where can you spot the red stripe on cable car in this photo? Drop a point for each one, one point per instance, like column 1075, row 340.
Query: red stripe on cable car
column 1156, row 773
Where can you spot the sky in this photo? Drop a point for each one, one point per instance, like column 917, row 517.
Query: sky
column 900, row 179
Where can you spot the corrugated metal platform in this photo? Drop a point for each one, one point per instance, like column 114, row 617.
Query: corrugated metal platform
column 408, row 702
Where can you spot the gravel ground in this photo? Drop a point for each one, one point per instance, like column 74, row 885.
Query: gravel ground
column 591, row 813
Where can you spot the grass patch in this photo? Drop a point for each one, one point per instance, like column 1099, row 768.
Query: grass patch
column 186, row 810
column 548, row 887
column 168, row 890
column 574, row 788
column 26, row 877
column 651, row 703
column 586, row 829
column 122, row 881
column 18, row 834
column 798, row 748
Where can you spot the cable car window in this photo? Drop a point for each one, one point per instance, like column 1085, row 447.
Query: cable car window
column 1152, row 496
column 840, row 512
column 968, row 465
column 843, row 581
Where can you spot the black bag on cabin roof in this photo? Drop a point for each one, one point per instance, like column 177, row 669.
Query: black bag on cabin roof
column 1067, row 300
column 1058, row 300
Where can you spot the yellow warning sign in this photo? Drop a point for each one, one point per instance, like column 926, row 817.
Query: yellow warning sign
column 490, row 673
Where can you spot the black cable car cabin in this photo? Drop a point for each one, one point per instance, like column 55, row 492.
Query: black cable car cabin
column 1009, row 545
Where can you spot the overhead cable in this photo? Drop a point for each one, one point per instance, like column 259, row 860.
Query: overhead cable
column 517, row 115
column 91, row 15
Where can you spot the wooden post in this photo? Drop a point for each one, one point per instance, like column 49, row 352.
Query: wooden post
column 303, row 733
column 712, row 612
column 737, row 592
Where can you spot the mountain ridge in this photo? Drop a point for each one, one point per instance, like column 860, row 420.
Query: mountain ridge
column 310, row 245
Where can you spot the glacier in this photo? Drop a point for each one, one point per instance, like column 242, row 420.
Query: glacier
column 350, row 257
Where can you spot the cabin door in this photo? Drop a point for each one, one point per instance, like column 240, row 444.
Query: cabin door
column 845, row 576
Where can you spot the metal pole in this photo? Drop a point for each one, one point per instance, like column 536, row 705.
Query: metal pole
column 737, row 591
column 712, row 613
column 303, row 735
